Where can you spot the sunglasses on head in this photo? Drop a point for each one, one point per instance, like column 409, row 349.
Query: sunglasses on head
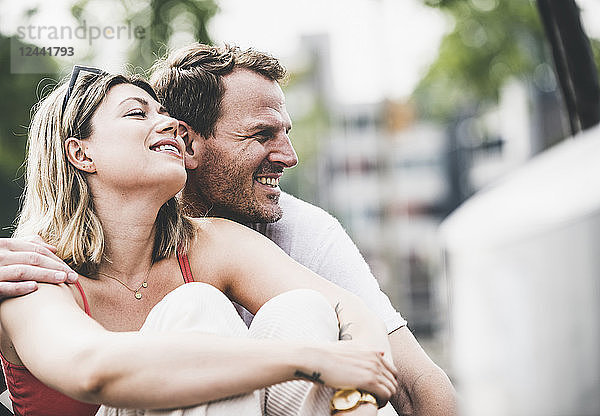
column 74, row 74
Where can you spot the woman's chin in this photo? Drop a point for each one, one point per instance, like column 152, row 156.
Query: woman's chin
column 169, row 184
column 177, row 184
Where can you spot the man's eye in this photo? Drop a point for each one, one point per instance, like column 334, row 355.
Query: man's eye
column 262, row 136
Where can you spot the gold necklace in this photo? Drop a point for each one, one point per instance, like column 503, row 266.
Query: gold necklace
column 136, row 292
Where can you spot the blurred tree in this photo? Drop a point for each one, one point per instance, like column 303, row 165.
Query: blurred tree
column 310, row 123
column 20, row 92
column 490, row 41
column 573, row 61
column 162, row 20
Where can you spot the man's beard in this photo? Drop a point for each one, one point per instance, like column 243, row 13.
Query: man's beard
column 229, row 192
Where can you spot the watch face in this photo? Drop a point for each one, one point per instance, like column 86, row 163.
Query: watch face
column 345, row 399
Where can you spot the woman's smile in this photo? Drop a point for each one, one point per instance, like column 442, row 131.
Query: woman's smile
column 168, row 145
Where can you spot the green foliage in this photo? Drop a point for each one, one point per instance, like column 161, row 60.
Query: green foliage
column 491, row 41
column 160, row 15
column 596, row 50
column 20, row 93
column 310, row 124
column 160, row 19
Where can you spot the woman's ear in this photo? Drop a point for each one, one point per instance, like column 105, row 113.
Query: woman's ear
column 76, row 155
column 191, row 140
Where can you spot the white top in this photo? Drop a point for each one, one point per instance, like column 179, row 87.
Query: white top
column 317, row 240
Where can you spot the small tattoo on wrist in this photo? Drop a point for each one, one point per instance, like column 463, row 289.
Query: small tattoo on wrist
column 344, row 333
column 338, row 308
column 315, row 377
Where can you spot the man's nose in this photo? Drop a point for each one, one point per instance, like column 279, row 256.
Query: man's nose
column 283, row 152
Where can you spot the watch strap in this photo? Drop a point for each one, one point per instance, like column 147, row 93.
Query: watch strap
column 364, row 397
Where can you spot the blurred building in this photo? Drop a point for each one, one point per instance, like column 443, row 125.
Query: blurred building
column 389, row 187
column 384, row 176
column 391, row 178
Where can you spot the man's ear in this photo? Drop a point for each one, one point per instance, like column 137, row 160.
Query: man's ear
column 193, row 142
column 75, row 151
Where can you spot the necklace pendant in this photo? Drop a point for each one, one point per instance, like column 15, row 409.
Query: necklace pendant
column 145, row 284
column 138, row 295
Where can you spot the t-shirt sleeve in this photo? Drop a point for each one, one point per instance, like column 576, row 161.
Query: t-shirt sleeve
column 338, row 260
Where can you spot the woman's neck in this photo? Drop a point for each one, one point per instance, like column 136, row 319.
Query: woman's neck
column 129, row 230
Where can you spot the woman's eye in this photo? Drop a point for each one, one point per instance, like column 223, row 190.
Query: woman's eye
column 139, row 113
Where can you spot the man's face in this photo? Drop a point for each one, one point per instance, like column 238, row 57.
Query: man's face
column 240, row 165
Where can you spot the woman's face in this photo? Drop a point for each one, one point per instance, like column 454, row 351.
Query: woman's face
column 134, row 144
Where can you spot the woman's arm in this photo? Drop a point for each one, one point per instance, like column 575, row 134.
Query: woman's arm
column 259, row 270
column 71, row 353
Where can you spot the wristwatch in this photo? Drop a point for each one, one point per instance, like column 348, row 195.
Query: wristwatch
column 349, row 399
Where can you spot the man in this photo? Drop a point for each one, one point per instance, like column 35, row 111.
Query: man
column 235, row 126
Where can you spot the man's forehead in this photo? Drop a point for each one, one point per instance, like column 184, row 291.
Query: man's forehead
column 262, row 118
column 243, row 86
column 250, row 96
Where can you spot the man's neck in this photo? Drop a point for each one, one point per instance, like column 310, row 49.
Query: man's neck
column 195, row 207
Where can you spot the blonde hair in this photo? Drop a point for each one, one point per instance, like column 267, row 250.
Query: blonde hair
column 57, row 203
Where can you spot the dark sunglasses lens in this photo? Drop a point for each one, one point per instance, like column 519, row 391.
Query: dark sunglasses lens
column 77, row 69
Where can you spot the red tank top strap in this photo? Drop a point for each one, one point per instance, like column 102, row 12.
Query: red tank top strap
column 184, row 265
column 86, row 305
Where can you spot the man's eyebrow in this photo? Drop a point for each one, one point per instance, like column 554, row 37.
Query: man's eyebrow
column 266, row 126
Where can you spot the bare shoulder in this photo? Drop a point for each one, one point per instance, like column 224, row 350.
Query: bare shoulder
column 14, row 311
column 44, row 291
column 219, row 247
column 206, row 223
column 221, row 230
column 222, row 245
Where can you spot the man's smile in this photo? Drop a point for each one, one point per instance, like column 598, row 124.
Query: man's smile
column 273, row 182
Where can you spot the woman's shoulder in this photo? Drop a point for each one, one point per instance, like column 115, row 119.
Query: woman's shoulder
column 220, row 228
column 219, row 247
column 14, row 311
column 220, row 241
column 214, row 235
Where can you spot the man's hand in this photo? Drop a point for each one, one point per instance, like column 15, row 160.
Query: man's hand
column 26, row 261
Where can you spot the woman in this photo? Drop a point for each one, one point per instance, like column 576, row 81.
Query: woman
column 104, row 164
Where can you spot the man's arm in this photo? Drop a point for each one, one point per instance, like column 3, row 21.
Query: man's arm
column 424, row 389
column 24, row 262
column 317, row 240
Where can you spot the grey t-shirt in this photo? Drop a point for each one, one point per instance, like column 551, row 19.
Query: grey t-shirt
column 317, row 240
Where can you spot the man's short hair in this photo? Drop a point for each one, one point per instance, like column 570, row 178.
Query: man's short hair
column 189, row 83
